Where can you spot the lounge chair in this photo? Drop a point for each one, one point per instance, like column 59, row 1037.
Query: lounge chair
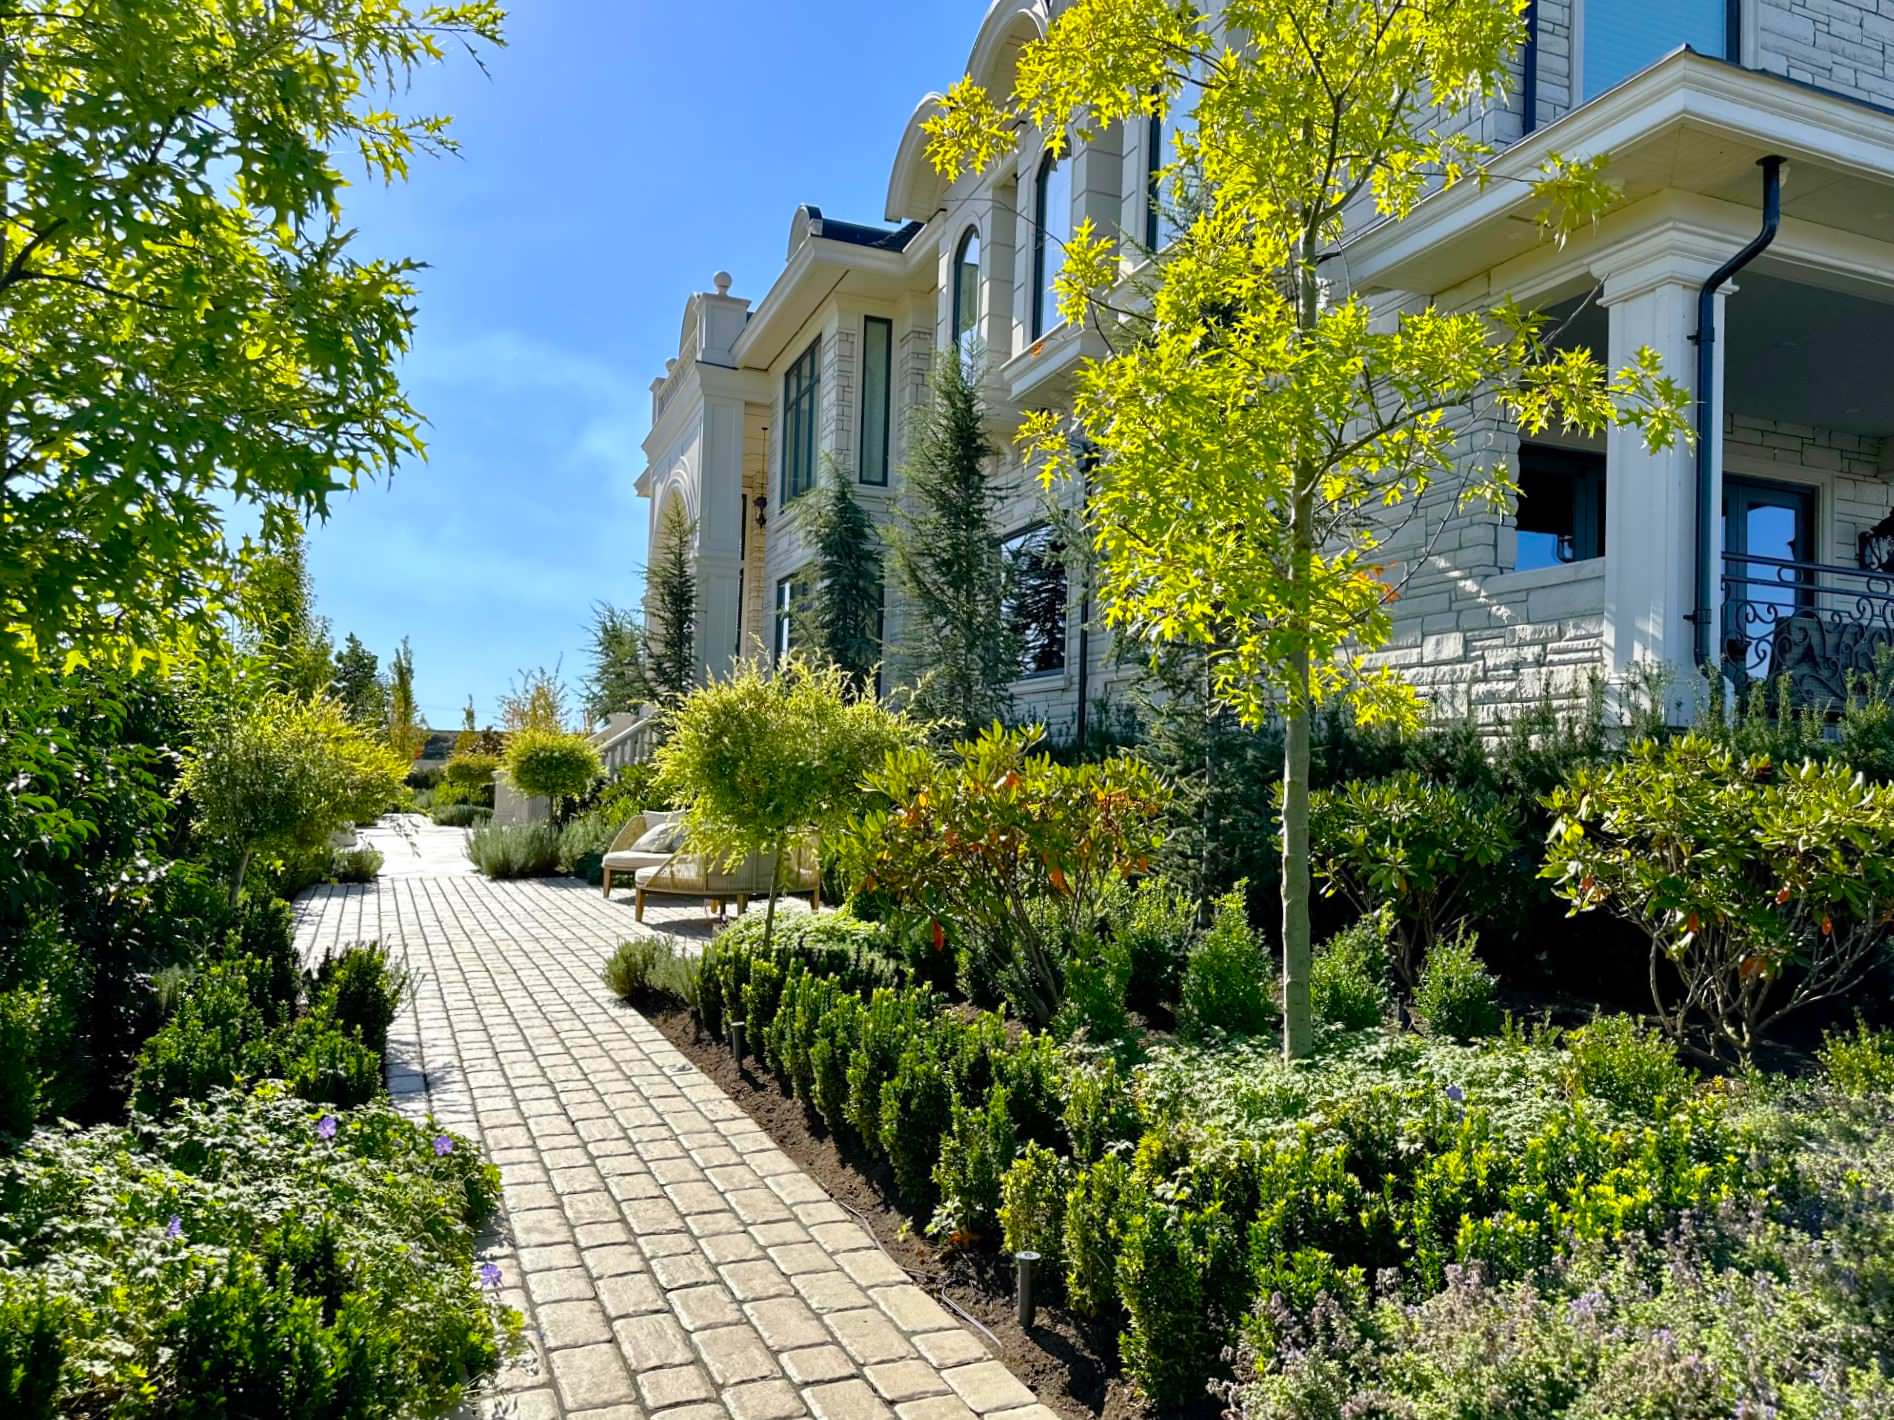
column 624, row 859
column 689, row 875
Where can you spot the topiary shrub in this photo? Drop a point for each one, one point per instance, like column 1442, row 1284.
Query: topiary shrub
column 1230, row 978
column 1157, row 927
column 916, row 1106
column 1457, row 997
column 472, row 771
column 551, row 764
column 1097, row 971
column 1614, row 1058
column 327, row 1064
column 361, row 991
column 1182, row 1279
column 1348, row 979
column 214, row 1039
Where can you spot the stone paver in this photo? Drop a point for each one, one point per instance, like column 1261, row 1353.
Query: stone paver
column 669, row 1259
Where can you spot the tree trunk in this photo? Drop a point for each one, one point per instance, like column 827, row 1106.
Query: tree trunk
column 236, row 883
column 775, row 883
column 1298, row 1034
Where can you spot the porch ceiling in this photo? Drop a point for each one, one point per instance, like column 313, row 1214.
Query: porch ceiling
column 1794, row 352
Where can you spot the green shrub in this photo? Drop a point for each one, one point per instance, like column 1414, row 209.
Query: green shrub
column 1614, row 1058
column 1348, row 979
column 1457, row 997
column 978, row 1148
column 1758, row 886
column 424, row 776
column 303, row 1275
column 460, row 815
column 1230, row 978
column 215, row 1038
column 326, row 1064
column 23, row 1013
column 1860, row 1062
column 651, row 965
column 1183, row 1284
column 1094, row 1235
column 583, row 843
column 32, row 1350
column 1435, row 852
column 356, row 865
column 1032, row 1208
column 1157, row 929
column 1097, row 971
column 261, row 942
column 361, row 991
column 829, row 943
column 551, row 764
column 1097, row 1105
column 516, row 850
column 916, row 1107
column 472, row 771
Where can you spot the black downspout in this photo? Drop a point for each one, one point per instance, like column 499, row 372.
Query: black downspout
column 1709, row 411
column 1529, row 70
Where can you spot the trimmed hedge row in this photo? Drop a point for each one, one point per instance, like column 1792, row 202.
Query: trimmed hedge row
column 1172, row 1227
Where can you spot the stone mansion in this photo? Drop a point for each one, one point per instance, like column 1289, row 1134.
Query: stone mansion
column 1767, row 548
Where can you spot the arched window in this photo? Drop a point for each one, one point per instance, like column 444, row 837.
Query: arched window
column 1052, row 227
column 966, row 294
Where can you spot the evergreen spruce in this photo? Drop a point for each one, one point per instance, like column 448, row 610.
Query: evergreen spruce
column 844, row 623
column 671, row 610
column 958, row 653
column 358, row 684
column 617, row 683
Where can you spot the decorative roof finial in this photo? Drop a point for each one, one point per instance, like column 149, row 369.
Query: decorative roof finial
column 722, row 282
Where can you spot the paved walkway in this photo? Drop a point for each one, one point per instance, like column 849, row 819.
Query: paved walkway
column 669, row 1259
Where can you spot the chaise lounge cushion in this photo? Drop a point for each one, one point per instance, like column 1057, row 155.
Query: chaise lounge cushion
column 648, row 841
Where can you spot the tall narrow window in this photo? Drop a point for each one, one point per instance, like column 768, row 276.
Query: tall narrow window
column 1052, row 227
column 1561, row 506
column 791, row 603
column 799, row 415
column 1154, row 183
column 1624, row 36
column 877, row 385
column 966, row 294
column 1036, row 599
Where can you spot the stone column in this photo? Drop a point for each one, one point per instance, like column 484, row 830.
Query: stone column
column 1650, row 292
column 720, row 513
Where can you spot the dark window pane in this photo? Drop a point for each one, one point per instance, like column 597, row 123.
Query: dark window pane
column 1036, row 600
column 966, row 295
column 877, row 377
column 799, row 415
column 1052, row 217
column 1561, row 506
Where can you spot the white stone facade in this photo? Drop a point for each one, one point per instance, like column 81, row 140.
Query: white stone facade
column 1480, row 633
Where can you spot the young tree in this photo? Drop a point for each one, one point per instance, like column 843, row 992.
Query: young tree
column 670, row 635
column 174, row 271
column 467, row 738
column 536, row 700
column 406, row 733
column 358, row 684
column 957, row 652
column 844, row 626
column 764, row 756
column 618, row 683
column 1254, row 426
column 552, row 764
column 276, row 617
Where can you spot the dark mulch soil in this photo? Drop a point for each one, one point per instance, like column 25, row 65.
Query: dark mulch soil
column 1072, row 1367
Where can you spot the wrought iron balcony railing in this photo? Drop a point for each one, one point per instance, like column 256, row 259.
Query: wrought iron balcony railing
column 1820, row 626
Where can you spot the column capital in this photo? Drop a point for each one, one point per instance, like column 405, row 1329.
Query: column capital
column 1670, row 255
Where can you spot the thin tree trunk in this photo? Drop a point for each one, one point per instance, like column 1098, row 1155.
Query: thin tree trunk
column 1298, row 1033
column 775, row 881
column 236, row 883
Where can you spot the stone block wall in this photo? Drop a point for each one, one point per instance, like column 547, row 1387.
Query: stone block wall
column 1843, row 45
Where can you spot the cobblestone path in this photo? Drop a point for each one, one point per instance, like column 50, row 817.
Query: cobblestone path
column 669, row 1259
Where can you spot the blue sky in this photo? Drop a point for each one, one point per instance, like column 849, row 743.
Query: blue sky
column 617, row 154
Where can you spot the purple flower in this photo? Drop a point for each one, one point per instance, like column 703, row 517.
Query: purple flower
column 489, row 1274
column 325, row 1127
column 1456, row 1094
column 1587, row 1307
column 443, row 1145
column 175, row 1228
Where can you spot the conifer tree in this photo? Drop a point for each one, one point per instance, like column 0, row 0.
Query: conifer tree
column 406, row 734
column 358, row 684
column 671, row 610
column 958, row 656
column 844, row 623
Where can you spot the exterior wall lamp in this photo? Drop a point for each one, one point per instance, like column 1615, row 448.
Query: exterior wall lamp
column 761, row 503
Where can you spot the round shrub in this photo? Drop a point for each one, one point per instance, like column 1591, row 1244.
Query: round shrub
column 1614, row 1058
column 1348, row 980
column 362, row 992
column 552, row 764
column 471, row 771
column 1861, row 1062
column 1032, row 1207
column 1230, row 978
column 1157, row 930
column 1457, row 997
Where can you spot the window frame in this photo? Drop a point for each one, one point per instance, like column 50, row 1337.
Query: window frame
column 886, row 401
column 790, row 592
column 1043, row 318
column 963, row 331
column 1732, row 15
column 1588, row 483
column 801, row 406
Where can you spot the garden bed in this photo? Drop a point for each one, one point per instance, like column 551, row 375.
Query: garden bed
column 1070, row 1366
